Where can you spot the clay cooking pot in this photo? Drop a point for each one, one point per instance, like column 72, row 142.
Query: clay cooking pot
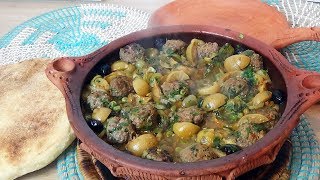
column 70, row 74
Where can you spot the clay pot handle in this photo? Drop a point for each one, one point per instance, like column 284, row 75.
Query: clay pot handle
column 310, row 83
column 296, row 35
column 59, row 70
column 305, row 86
column 62, row 70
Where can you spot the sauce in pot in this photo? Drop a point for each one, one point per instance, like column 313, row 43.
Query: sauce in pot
column 180, row 102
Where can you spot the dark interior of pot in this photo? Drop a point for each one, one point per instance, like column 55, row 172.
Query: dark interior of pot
column 275, row 75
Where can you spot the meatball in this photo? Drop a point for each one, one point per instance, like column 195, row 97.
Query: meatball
column 97, row 98
column 190, row 114
column 235, row 86
column 207, row 49
column 131, row 53
column 121, row 86
column 174, row 88
column 177, row 46
column 143, row 117
column 256, row 62
column 196, row 152
column 119, row 130
column 248, row 135
column 157, row 154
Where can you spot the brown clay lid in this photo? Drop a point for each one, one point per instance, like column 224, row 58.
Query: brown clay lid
column 251, row 17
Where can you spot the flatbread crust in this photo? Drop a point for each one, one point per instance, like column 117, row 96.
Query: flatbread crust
column 34, row 129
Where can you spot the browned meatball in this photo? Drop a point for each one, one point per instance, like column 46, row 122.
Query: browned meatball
column 157, row 154
column 248, row 135
column 190, row 114
column 207, row 49
column 121, row 86
column 131, row 53
column 97, row 98
column 119, row 130
column 168, row 88
column 235, row 86
column 174, row 45
column 174, row 88
column 256, row 62
column 196, row 152
column 143, row 117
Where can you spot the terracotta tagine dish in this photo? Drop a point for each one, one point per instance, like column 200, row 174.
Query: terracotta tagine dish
column 70, row 74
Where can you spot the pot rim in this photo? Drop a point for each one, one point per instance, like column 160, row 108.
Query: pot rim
column 106, row 152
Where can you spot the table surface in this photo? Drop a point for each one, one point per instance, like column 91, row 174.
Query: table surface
column 15, row 12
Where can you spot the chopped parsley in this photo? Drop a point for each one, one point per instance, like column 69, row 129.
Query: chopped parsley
column 170, row 52
column 248, row 74
column 248, row 52
column 122, row 124
column 216, row 142
column 259, row 127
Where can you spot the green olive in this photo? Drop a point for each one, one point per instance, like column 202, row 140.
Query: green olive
column 214, row 88
column 206, row 137
column 100, row 83
column 191, row 52
column 142, row 143
column 262, row 97
column 156, row 92
column 236, row 62
column 214, row 101
column 253, row 118
column 190, row 100
column 141, row 87
column 259, row 99
column 112, row 75
column 101, row 114
column 119, row 66
column 130, row 68
column 185, row 129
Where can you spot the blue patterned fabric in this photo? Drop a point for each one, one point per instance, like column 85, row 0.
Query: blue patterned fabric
column 79, row 30
column 67, row 165
column 73, row 31
column 305, row 160
column 307, row 55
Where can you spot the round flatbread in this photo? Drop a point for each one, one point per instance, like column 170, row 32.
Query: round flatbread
column 34, row 128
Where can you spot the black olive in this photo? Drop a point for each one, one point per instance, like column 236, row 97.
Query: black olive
column 278, row 96
column 239, row 49
column 105, row 70
column 95, row 125
column 159, row 42
column 230, row 148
